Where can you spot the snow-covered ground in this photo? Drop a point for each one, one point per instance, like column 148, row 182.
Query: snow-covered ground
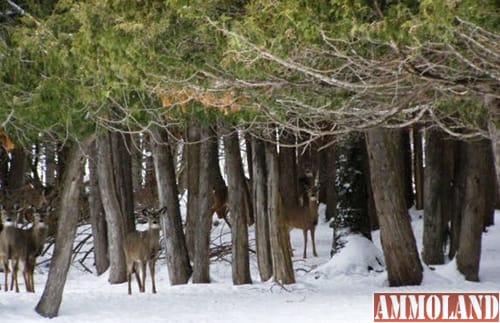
column 339, row 289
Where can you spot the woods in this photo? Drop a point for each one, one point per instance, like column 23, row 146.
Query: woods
column 242, row 109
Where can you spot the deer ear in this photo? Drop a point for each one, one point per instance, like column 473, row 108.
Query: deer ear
column 162, row 210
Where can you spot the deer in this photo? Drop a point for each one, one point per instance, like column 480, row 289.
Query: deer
column 141, row 249
column 303, row 217
column 21, row 247
column 35, row 239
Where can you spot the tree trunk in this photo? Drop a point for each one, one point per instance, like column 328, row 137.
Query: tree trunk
column 114, row 218
column 136, row 162
column 287, row 161
column 475, row 203
column 193, row 179
column 238, row 207
column 396, row 235
column 259, row 193
column 18, row 167
column 491, row 187
column 439, row 194
column 418, row 167
column 122, row 166
column 201, row 258
column 280, row 240
column 50, row 164
column 330, row 165
column 179, row 268
column 407, row 167
column 96, row 213
column 51, row 299
column 458, row 198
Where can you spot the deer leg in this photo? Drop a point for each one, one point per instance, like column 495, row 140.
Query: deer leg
column 130, row 267
column 143, row 273
column 6, row 274
column 15, row 269
column 152, row 271
column 305, row 243
column 313, row 241
column 135, row 268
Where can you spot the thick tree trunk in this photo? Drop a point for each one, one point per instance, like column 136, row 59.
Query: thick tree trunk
column 491, row 187
column 330, row 164
column 439, row 194
column 114, row 218
column 396, row 235
column 51, row 299
column 238, row 206
column 97, row 218
column 418, row 167
column 201, row 258
column 280, row 240
column 193, row 181
column 122, row 166
column 179, row 268
column 259, row 193
column 458, row 198
column 475, row 206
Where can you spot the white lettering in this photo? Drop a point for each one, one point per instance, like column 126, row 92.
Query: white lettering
column 433, row 307
column 382, row 309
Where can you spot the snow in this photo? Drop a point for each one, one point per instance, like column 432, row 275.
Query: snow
column 339, row 289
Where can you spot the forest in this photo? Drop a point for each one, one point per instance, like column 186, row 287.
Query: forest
column 257, row 111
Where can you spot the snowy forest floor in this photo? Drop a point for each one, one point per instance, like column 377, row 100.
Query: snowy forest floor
column 338, row 289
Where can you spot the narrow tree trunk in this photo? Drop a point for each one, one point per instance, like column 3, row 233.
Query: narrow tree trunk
column 280, row 240
column 97, row 218
column 259, row 188
column 238, row 206
column 18, row 167
column 179, row 268
column 136, row 162
column 50, row 164
column 329, row 182
column 201, row 258
column 287, row 161
column 491, row 187
column 407, row 167
column 476, row 169
column 418, row 167
column 51, row 299
column 114, row 218
column 396, row 235
column 458, row 198
column 122, row 166
column 439, row 196
column 193, row 179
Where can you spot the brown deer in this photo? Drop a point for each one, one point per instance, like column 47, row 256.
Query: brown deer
column 12, row 246
column 221, row 207
column 35, row 238
column 141, row 249
column 303, row 217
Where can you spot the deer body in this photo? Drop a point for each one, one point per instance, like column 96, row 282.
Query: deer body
column 21, row 247
column 141, row 249
column 304, row 218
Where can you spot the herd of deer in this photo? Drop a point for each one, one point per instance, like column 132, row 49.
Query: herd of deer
column 21, row 246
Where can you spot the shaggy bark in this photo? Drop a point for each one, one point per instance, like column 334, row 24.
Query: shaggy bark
column 179, row 268
column 51, row 299
column 238, row 206
column 398, row 242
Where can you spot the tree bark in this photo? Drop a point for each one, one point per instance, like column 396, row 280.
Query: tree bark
column 476, row 169
column 96, row 213
column 259, row 193
column 407, row 166
column 330, row 165
column 201, row 258
column 287, row 161
column 114, row 218
column 280, row 240
column 418, row 167
column 193, row 181
column 396, row 235
column 238, row 206
column 179, row 268
column 439, row 194
column 122, row 167
column 51, row 299
column 18, row 167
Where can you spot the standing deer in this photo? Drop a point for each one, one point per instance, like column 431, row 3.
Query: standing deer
column 141, row 249
column 12, row 246
column 35, row 239
column 303, row 217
